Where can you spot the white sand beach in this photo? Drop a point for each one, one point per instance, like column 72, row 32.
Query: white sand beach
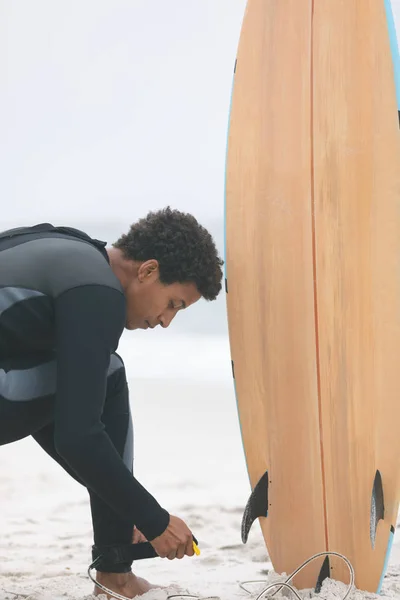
column 188, row 453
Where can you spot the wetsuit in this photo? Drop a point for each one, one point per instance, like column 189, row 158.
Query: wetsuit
column 62, row 312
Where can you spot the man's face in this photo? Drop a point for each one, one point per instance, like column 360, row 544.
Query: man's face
column 151, row 303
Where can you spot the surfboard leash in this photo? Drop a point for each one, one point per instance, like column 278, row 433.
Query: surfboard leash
column 286, row 584
column 138, row 552
column 261, row 596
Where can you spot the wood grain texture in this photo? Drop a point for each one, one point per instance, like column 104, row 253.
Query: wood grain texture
column 313, row 270
column 356, row 190
column 270, row 275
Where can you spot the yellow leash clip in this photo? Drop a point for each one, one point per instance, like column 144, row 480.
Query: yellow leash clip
column 196, row 549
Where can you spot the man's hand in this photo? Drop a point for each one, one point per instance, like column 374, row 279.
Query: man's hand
column 138, row 536
column 175, row 542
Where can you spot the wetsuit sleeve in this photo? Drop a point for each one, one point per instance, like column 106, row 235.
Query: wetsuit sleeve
column 89, row 321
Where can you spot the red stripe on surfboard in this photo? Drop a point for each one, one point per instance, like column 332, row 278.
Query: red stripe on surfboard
column 315, row 277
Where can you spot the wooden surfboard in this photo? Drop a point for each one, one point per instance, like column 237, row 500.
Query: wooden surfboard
column 312, row 234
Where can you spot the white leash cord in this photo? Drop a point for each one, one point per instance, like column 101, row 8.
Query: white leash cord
column 261, row 595
column 281, row 584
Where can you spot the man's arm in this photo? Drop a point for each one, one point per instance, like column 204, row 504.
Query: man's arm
column 89, row 321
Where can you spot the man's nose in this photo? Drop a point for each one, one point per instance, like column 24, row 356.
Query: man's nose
column 166, row 320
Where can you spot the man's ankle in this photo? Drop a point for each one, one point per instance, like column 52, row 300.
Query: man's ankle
column 117, row 578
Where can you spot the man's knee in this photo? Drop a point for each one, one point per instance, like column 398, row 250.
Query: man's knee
column 116, row 376
column 117, row 415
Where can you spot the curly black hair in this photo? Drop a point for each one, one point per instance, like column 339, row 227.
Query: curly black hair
column 184, row 249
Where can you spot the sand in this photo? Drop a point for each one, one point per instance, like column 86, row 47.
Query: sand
column 191, row 459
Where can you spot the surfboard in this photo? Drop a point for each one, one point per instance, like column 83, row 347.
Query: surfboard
column 312, row 267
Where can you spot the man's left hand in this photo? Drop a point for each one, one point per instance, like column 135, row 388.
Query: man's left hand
column 138, row 536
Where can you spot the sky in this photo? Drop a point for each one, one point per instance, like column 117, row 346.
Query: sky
column 110, row 108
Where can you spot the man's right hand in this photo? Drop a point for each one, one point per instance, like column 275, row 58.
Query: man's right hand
column 176, row 541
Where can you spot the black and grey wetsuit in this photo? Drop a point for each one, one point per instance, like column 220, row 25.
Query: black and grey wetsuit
column 62, row 312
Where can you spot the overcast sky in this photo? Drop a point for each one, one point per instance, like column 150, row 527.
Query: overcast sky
column 109, row 108
column 114, row 106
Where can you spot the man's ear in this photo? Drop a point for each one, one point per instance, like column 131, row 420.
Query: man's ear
column 148, row 270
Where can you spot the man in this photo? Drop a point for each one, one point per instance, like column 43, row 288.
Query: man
column 64, row 302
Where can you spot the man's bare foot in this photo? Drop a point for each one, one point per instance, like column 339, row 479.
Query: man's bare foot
column 125, row 584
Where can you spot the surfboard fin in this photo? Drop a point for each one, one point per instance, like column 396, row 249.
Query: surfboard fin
column 257, row 506
column 324, row 573
column 377, row 507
